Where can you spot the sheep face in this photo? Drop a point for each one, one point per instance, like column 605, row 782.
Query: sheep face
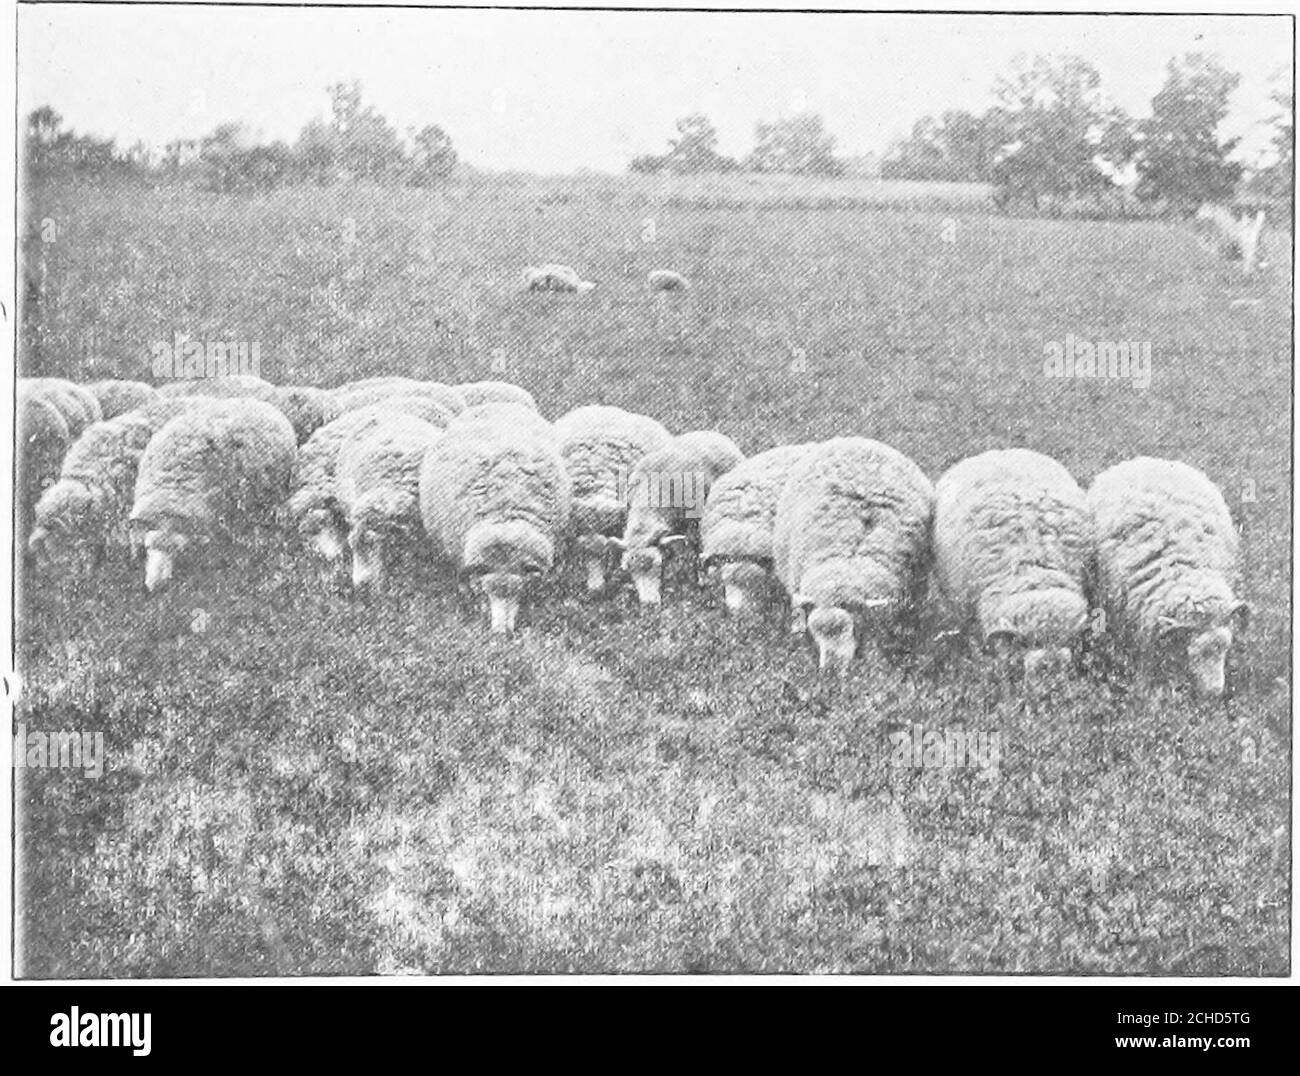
column 504, row 592
column 835, row 634
column 162, row 548
column 1207, row 653
column 367, row 545
column 744, row 587
column 322, row 533
column 645, row 566
column 1038, row 662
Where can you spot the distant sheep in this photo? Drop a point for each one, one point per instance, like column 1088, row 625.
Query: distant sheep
column 1168, row 565
column 212, row 472
column 118, row 397
column 379, row 489
column 481, row 392
column 850, row 543
column 601, row 446
column 496, row 502
column 666, row 280
column 739, row 522
column 1236, row 238
column 1012, row 544
column 555, row 278
column 667, row 491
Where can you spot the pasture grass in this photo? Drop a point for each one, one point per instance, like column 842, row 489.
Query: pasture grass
column 300, row 783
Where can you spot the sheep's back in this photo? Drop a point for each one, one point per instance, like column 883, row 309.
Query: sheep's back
column 740, row 514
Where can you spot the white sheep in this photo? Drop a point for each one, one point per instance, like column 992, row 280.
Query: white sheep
column 118, row 397
column 211, row 472
column 233, row 386
column 379, row 489
column 1168, row 565
column 1012, row 543
column 553, row 277
column 739, row 522
column 42, row 439
column 666, row 494
column 601, row 446
column 482, row 392
column 79, row 516
column 850, row 542
column 666, row 280
column 76, row 403
column 496, row 502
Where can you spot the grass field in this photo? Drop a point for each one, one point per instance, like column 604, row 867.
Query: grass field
column 302, row 783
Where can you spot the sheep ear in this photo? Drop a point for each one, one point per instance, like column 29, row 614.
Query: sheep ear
column 876, row 603
column 670, row 540
column 619, row 544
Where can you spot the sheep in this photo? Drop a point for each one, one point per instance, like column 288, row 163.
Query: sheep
column 210, row 472
column 118, row 397
column 480, row 392
column 379, row 488
column 600, row 446
column 80, row 515
column 382, row 390
column 506, row 416
column 1235, row 238
column 496, row 501
column 553, row 277
column 1012, row 542
column 850, row 542
column 667, row 491
column 666, row 280
column 42, row 439
column 738, row 523
column 77, row 404
column 1168, row 565
column 306, row 408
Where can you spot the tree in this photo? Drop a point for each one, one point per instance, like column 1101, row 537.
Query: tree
column 957, row 147
column 1180, row 159
column 1277, row 180
column 1060, row 139
column 433, row 156
column 695, row 149
column 799, row 145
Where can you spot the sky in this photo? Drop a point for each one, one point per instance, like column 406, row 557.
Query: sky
column 548, row 91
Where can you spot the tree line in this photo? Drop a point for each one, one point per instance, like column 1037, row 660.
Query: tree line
column 354, row 142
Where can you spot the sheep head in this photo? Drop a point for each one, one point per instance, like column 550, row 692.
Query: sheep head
column 1205, row 645
column 744, row 586
column 70, row 525
column 645, row 565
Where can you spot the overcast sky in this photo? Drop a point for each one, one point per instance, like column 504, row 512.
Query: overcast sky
column 558, row 91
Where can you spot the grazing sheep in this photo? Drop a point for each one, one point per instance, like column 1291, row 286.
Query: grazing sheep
column 77, row 404
column 481, row 392
column 81, row 514
column 1167, row 565
column 739, row 521
column 666, row 280
column 601, row 446
column 382, row 390
column 211, row 472
column 379, row 488
column 118, row 397
column 85, row 511
column 852, row 526
column 42, row 439
column 666, row 496
column 496, row 502
column 1235, row 238
column 555, row 278
column 1012, row 541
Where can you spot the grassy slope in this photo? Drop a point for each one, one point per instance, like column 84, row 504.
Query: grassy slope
column 322, row 785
